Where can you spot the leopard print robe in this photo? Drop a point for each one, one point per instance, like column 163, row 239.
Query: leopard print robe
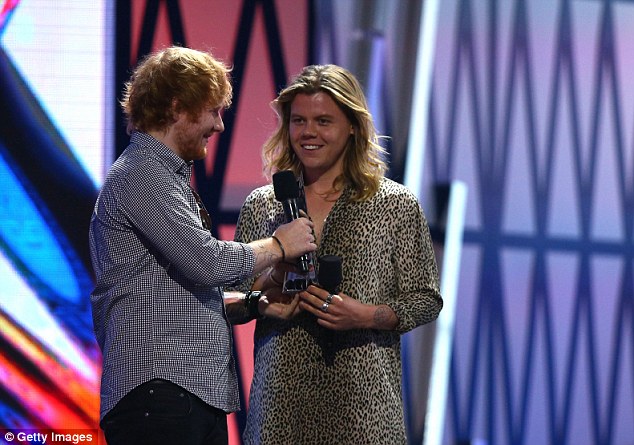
column 312, row 385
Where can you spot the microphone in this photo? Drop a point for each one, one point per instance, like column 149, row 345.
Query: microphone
column 330, row 273
column 287, row 192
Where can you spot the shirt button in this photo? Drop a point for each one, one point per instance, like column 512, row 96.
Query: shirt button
column 151, row 391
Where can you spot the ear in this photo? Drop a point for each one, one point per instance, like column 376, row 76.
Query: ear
column 351, row 129
column 176, row 113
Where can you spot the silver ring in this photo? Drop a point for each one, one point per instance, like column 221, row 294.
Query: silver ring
column 329, row 298
column 324, row 307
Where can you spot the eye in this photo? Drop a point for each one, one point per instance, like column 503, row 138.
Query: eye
column 297, row 120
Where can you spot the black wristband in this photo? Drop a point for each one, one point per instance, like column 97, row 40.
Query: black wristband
column 251, row 301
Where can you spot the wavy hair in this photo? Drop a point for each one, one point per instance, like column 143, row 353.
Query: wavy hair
column 364, row 163
column 172, row 80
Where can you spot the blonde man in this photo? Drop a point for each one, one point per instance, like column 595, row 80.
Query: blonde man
column 331, row 372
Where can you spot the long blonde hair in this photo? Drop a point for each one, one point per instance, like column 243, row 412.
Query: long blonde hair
column 364, row 163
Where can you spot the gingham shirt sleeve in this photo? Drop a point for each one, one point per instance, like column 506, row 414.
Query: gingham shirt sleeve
column 175, row 228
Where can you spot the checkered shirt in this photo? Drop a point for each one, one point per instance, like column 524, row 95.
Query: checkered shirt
column 157, row 302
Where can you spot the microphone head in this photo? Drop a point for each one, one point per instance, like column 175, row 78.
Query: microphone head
column 285, row 185
column 330, row 272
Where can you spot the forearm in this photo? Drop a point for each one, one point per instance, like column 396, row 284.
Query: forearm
column 288, row 242
column 267, row 253
column 241, row 308
column 381, row 317
column 268, row 280
column 235, row 308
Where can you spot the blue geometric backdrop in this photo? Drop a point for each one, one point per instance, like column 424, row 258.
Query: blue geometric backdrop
column 532, row 106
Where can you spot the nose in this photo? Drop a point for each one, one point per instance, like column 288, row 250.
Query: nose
column 219, row 125
column 309, row 130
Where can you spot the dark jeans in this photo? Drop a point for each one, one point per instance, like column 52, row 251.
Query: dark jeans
column 160, row 412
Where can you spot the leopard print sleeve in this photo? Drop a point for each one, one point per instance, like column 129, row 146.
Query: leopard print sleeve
column 417, row 299
column 387, row 253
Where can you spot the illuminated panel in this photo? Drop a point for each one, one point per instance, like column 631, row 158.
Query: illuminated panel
column 54, row 71
column 7, row 8
column 420, row 103
column 47, row 408
column 25, row 230
column 444, row 326
column 60, row 49
column 80, row 385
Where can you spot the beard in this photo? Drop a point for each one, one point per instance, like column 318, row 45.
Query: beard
column 192, row 140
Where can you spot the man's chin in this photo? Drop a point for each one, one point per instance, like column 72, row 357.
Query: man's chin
column 201, row 154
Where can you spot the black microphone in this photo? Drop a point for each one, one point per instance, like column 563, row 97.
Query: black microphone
column 330, row 273
column 287, row 192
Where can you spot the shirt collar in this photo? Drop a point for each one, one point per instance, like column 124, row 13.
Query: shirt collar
column 171, row 160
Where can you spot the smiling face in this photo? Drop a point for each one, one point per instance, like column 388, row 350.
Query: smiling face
column 319, row 132
column 192, row 135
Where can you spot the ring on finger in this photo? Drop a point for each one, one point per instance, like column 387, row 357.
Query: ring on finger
column 324, row 307
column 329, row 298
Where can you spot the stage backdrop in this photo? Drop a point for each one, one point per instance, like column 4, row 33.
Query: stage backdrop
column 531, row 106
column 55, row 141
